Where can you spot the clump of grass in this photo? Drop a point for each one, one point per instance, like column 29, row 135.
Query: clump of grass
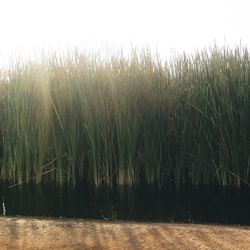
column 129, row 120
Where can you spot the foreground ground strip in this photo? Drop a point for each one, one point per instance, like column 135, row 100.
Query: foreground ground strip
column 34, row 233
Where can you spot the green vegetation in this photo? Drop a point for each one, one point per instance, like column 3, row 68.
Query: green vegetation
column 77, row 118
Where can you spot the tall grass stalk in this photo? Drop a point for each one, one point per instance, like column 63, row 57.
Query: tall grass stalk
column 131, row 121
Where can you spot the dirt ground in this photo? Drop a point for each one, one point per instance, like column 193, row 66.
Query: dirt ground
column 37, row 233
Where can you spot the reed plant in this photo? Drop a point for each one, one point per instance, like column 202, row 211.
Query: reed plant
column 73, row 118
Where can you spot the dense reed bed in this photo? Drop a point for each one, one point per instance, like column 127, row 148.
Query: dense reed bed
column 76, row 118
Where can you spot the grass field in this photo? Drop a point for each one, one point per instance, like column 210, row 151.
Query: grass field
column 79, row 118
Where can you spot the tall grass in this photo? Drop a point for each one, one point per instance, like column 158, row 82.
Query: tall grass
column 77, row 118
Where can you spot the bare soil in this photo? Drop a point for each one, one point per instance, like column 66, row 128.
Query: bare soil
column 39, row 233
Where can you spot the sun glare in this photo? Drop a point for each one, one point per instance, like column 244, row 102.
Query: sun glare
column 31, row 25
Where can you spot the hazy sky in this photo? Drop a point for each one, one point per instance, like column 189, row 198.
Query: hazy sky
column 180, row 25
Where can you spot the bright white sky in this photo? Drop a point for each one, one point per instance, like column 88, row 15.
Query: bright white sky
column 180, row 25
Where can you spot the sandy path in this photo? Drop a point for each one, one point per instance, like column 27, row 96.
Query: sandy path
column 32, row 233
